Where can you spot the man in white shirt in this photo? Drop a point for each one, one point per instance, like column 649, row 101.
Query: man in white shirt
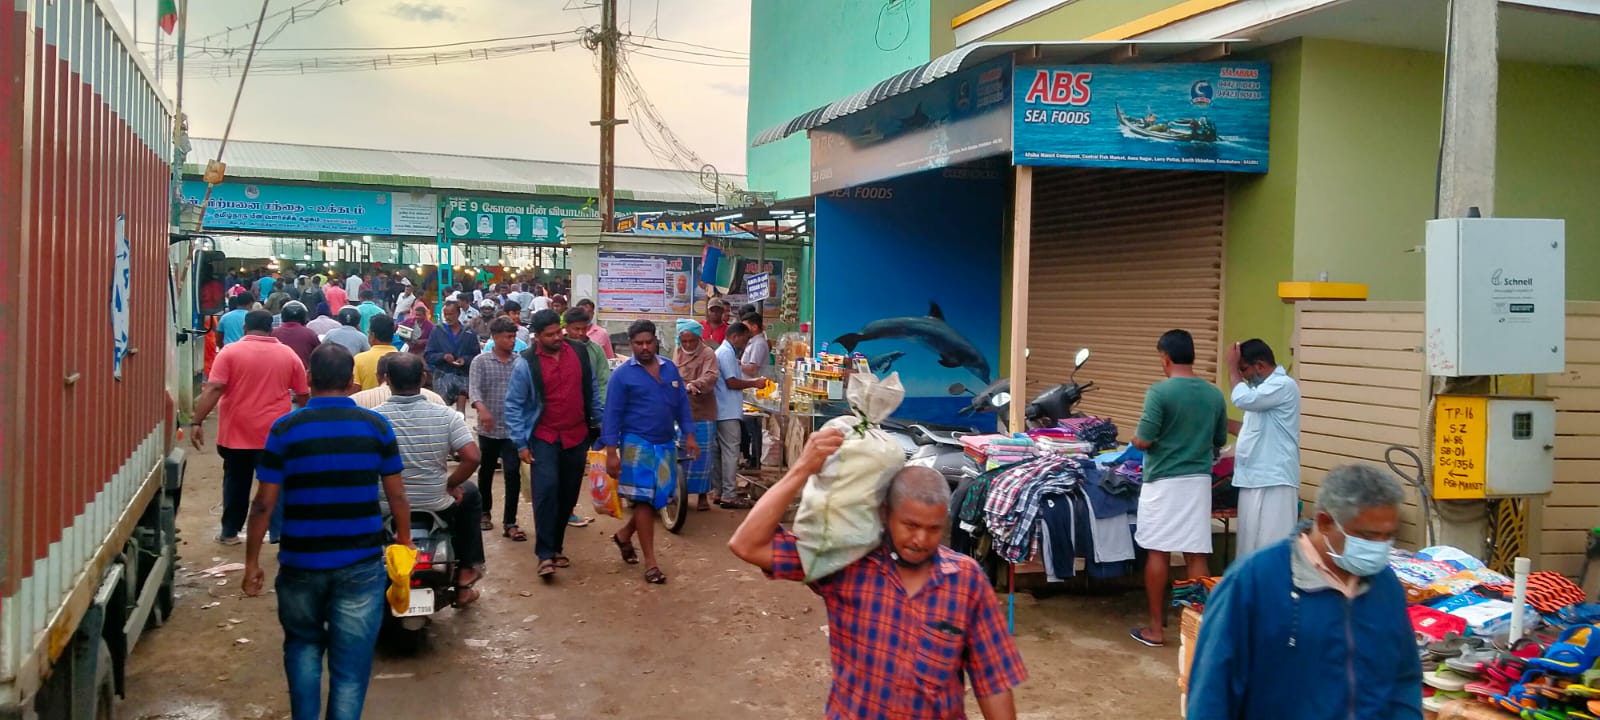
column 1267, row 459
column 756, row 362
column 352, row 286
column 402, row 306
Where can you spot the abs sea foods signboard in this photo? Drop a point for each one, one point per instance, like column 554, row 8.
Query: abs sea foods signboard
column 1195, row 116
column 304, row 209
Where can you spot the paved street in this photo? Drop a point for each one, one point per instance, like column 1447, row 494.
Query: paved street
column 716, row 641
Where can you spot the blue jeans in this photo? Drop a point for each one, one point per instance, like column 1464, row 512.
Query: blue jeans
column 335, row 613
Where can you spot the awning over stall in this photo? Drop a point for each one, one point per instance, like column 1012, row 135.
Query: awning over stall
column 971, row 55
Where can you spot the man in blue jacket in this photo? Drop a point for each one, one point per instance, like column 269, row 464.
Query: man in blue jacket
column 1314, row 626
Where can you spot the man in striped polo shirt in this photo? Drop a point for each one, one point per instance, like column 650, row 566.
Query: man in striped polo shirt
column 428, row 434
column 328, row 461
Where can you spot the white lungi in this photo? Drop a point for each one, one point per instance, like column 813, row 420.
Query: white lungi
column 1175, row 515
column 1266, row 515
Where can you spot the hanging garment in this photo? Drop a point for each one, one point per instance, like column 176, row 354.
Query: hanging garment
column 1012, row 509
column 1113, row 536
column 710, row 262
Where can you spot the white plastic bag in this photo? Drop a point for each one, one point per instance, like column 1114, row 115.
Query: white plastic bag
column 838, row 521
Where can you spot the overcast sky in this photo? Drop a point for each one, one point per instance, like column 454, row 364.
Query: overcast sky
column 530, row 106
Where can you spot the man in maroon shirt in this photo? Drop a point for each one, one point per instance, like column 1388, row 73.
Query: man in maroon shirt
column 551, row 408
column 294, row 333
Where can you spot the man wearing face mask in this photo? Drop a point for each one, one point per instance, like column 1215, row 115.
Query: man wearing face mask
column 909, row 623
column 1267, row 463
column 1314, row 621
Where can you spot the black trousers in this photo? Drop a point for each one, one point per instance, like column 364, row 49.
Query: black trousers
column 238, row 478
column 464, row 532
column 557, row 481
column 496, row 452
column 750, row 440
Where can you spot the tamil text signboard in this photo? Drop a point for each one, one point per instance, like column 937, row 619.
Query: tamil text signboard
column 645, row 285
column 1192, row 116
column 302, row 209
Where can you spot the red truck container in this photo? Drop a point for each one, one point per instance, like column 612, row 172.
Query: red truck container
column 89, row 474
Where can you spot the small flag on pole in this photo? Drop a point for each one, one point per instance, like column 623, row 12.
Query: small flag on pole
column 167, row 15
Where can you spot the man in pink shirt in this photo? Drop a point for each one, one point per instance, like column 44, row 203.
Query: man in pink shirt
column 597, row 334
column 253, row 382
column 336, row 297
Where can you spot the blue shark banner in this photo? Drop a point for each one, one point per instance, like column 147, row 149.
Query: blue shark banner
column 1197, row 116
column 929, row 307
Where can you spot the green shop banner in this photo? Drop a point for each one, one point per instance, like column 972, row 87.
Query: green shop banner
column 509, row 220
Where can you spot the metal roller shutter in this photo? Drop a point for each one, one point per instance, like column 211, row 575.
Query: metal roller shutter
column 1118, row 258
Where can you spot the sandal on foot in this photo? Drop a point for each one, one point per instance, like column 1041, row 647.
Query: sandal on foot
column 547, row 569
column 654, row 576
column 736, row 504
column 703, row 505
column 466, row 596
column 579, row 521
column 628, row 555
column 562, row 561
column 515, row 533
column 486, row 524
column 1138, row 634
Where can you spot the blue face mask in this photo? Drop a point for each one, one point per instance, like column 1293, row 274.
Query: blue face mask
column 1361, row 557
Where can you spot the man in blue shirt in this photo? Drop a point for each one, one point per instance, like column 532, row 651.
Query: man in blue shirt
column 230, row 327
column 730, row 413
column 368, row 309
column 647, row 406
column 328, row 463
column 1321, row 604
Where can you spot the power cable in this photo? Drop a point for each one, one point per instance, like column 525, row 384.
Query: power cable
column 688, row 52
column 460, row 43
column 669, row 58
column 338, row 64
column 670, row 41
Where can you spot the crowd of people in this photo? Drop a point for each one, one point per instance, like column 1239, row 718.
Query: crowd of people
column 342, row 414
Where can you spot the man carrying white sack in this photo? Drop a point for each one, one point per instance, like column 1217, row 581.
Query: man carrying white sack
column 907, row 622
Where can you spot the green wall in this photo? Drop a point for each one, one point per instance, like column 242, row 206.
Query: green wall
column 1368, row 148
column 1259, row 248
column 805, row 54
column 1080, row 19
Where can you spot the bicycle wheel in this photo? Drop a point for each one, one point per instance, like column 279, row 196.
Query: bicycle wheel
column 676, row 510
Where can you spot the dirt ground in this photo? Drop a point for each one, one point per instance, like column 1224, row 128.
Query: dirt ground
column 716, row 641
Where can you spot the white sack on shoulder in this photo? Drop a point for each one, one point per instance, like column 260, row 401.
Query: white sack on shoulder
column 838, row 521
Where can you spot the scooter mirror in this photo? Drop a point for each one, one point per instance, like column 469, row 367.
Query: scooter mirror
column 957, row 389
column 1081, row 358
column 1000, row 399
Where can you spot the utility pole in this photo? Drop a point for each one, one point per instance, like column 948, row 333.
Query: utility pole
column 1466, row 181
column 608, row 122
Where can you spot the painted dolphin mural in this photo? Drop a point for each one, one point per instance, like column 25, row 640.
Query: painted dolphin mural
column 881, row 363
column 954, row 349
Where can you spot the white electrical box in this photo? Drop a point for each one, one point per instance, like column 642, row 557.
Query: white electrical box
column 1493, row 446
column 1496, row 296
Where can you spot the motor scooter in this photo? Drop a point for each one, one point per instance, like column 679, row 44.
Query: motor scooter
column 434, row 580
column 942, row 449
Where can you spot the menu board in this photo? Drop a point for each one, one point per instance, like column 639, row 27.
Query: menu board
column 645, row 286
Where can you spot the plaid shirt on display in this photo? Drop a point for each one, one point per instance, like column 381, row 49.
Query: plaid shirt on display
column 907, row 658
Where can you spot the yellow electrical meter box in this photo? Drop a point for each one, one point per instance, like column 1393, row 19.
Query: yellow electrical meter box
column 1492, row 446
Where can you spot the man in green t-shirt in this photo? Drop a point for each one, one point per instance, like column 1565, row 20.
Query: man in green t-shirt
column 1185, row 422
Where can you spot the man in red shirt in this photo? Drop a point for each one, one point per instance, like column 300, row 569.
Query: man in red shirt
column 716, row 321
column 294, row 333
column 252, row 383
column 908, row 623
column 336, row 297
column 552, row 411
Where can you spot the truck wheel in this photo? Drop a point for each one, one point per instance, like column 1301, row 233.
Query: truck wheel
column 105, row 693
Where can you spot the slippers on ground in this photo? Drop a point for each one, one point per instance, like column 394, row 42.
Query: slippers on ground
column 515, row 533
column 1449, row 646
column 654, row 576
column 485, row 524
column 1138, row 634
column 466, row 596
column 1575, row 652
column 1447, row 679
column 629, row 556
column 547, row 569
column 579, row 521
column 562, row 561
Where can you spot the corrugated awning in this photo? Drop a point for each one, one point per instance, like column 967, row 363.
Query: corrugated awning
column 965, row 57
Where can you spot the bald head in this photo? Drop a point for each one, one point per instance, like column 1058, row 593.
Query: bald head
column 405, row 373
column 917, row 484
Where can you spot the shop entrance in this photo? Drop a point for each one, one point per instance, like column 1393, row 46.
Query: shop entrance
column 1118, row 258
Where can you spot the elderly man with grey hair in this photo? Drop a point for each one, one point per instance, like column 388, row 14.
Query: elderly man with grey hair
column 908, row 623
column 1314, row 625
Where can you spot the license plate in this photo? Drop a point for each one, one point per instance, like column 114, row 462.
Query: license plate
column 421, row 603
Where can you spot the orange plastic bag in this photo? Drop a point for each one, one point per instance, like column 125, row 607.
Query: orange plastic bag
column 603, row 487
